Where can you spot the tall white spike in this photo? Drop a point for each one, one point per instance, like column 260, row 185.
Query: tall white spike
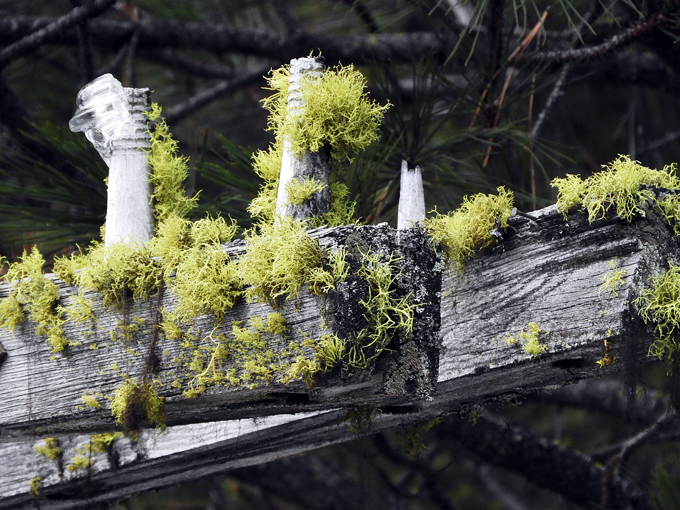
column 111, row 116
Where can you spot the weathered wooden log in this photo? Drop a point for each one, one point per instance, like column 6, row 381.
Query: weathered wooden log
column 545, row 272
column 46, row 392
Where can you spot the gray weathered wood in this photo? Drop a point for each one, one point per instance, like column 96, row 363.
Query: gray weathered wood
column 545, row 270
column 310, row 165
column 411, row 197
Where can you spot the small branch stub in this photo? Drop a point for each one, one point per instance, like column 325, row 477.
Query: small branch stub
column 112, row 119
column 411, row 197
column 313, row 166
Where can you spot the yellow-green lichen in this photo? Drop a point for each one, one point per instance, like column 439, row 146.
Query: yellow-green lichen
column 659, row 303
column 528, row 339
column 617, row 186
column 33, row 292
column 608, row 358
column 82, row 460
column 280, row 259
column 92, row 401
column 612, row 279
column 337, row 114
column 301, row 191
column 50, row 449
column 168, row 171
column 135, row 405
column 385, row 313
column 471, row 227
column 35, row 486
column 101, row 443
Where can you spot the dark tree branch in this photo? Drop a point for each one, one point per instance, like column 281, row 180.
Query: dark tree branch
column 190, row 65
column 576, row 477
column 59, row 26
column 605, row 396
column 594, row 52
column 163, row 34
column 202, row 99
column 657, row 432
column 556, row 92
column 313, row 483
column 84, row 48
column 364, row 15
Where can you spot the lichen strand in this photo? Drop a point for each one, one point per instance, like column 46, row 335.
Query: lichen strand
column 138, row 405
column 612, row 280
column 50, row 449
column 32, row 292
column 337, row 113
column 168, row 171
column 471, row 227
column 617, row 186
column 659, row 304
column 385, row 313
column 35, row 486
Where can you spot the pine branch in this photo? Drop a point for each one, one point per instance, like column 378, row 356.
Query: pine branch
column 56, row 27
column 190, row 65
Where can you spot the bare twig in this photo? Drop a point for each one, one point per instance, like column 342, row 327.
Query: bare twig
column 593, row 52
column 202, row 99
column 58, row 26
column 190, row 65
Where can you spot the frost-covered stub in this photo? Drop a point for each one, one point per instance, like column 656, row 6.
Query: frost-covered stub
column 314, row 166
column 112, row 118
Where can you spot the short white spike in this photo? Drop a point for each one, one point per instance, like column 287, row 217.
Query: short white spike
column 411, row 197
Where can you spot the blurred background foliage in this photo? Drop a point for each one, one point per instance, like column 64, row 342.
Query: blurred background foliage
column 484, row 93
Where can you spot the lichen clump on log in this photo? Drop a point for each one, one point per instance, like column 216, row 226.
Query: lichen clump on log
column 471, row 227
column 620, row 186
column 660, row 304
column 188, row 259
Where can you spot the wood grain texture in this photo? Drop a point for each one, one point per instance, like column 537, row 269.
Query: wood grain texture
column 546, row 270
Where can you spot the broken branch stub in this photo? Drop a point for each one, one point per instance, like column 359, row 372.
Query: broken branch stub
column 112, row 118
column 313, row 166
column 411, row 197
